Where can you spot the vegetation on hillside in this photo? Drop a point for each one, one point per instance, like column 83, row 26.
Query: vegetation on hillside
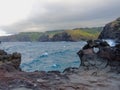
column 82, row 35
column 76, row 34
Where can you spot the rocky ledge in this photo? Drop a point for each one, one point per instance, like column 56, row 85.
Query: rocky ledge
column 99, row 70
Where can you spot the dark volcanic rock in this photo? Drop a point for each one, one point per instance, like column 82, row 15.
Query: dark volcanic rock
column 10, row 62
column 62, row 37
column 100, row 55
column 111, row 30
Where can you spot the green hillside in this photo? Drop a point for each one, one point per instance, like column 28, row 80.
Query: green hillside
column 34, row 36
column 85, row 33
column 56, row 35
column 76, row 34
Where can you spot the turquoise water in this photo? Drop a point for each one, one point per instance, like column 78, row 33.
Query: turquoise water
column 45, row 55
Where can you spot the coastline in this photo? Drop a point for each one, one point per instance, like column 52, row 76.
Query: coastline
column 72, row 78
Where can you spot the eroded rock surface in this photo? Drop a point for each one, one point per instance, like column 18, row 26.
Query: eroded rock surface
column 100, row 55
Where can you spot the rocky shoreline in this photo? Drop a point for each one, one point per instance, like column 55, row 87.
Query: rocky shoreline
column 88, row 77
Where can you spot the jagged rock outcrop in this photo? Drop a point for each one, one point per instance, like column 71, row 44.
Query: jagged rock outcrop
column 10, row 62
column 99, row 55
column 111, row 30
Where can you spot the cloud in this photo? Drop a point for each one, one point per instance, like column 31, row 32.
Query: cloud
column 3, row 33
column 12, row 11
column 64, row 14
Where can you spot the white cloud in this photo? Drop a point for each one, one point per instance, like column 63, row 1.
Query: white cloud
column 12, row 11
column 62, row 14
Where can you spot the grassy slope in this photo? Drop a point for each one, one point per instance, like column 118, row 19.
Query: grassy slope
column 85, row 33
column 33, row 35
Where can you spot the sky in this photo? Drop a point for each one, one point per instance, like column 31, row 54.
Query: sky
column 43, row 15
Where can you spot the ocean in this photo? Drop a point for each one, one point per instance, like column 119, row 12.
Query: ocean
column 45, row 56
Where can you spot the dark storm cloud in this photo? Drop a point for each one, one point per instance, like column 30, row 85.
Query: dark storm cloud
column 61, row 14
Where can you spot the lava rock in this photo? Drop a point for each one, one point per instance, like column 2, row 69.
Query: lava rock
column 111, row 30
column 105, row 56
column 10, row 62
